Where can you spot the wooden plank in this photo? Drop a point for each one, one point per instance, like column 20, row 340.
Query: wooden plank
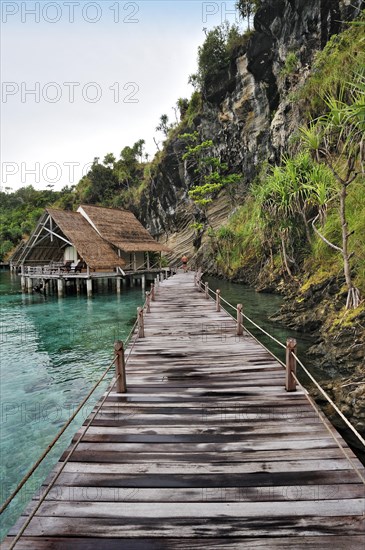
column 355, row 542
column 191, row 527
column 205, row 494
column 206, row 450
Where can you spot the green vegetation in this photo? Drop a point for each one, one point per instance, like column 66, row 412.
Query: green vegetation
column 19, row 212
column 337, row 140
column 290, row 65
column 215, row 54
column 307, row 215
column 247, row 9
column 210, row 174
column 339, row 62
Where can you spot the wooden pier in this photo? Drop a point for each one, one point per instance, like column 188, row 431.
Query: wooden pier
column 206, row 450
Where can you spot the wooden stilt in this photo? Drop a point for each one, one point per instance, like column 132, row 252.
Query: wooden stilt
column 291, row 365
column 89, row 288
column 60, row 287
column 239, row 331
column 120, row 367
column 140, row 322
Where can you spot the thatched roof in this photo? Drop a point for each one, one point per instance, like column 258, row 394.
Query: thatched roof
column 96, row 252
column 121, row 228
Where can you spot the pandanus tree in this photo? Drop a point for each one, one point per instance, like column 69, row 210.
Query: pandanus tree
column 337, row 139
column 290, row 197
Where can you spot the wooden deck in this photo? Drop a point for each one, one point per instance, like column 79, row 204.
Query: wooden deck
column 207, row 450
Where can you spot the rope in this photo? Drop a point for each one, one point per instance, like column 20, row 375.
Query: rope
column 246, row 330
column 53, row 442
column 328, row 428
column 92, row 417
column 256, row 325
column 325, row 394
column 66, row 425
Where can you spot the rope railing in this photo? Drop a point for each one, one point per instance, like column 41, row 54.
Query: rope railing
column 218, row 306
column 54, row 441
column 291, row 352
column 65, row 462
column 331, row 402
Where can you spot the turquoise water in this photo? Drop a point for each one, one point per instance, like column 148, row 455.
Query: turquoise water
column 52, row 352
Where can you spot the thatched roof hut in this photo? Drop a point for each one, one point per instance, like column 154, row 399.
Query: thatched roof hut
column 95, row 251
column 121, row 228
column 104, row 238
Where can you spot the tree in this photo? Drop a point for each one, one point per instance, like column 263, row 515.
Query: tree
column 210, row 175
column 337, row 140
column 164, row 125
column 212, row 55
column 290, row 195
column 109, row 159
column 183, row 105
column 247, row 9
column 138, row 148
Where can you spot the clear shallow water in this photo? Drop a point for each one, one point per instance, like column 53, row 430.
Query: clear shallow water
column 52, row 352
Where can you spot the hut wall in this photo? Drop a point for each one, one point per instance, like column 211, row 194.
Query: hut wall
column 70, row 254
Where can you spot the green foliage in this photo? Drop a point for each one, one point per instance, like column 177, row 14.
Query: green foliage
column 19, row 212
column 210, row 174
column 247, row 9
column 297, row 187
column 323, row 255
column 214, row 55
column 164, row 125
column 194, row 108
column 241, row 241
column 290, row 65
column 342, row 58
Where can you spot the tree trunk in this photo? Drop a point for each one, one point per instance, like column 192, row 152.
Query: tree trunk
column 285, row 256
column 306, row 225
column 353, row 298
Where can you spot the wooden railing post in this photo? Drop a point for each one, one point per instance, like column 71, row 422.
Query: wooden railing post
column 291, row 365
column 206, row 290
column 148, row 302
column 152, row 292
column 120, row 367
column 239, row 330
column 140, row 322
column 218, row 300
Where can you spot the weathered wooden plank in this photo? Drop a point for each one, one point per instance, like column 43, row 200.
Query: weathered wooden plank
column 204, row 494
column 115, row 452
column 168, row 510
column 206, row 450
column 191, row 527
column 355, row 542
column 258, row 479
column 212, row 468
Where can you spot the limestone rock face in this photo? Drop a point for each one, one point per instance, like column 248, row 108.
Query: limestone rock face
column 246, row 109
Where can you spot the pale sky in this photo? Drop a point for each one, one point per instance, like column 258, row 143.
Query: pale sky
column 81, row 79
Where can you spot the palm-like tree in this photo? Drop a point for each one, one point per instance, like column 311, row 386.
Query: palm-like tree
column 337, row 139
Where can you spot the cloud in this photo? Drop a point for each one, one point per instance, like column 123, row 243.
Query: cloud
column 78, row 90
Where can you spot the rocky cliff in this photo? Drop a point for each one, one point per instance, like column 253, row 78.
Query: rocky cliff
column 247, row 109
